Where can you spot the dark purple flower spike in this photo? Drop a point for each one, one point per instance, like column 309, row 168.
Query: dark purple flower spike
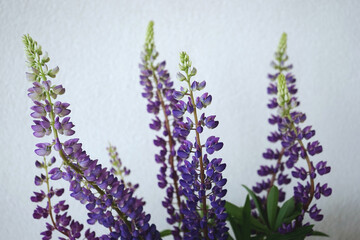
column 159, row 92
column 293, row 154
column 201, row 177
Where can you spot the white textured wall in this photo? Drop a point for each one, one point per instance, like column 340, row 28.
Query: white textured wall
column 97, row 46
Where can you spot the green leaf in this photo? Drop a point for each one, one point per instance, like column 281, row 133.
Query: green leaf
column 291, row 217
column 320, row 234
column 285, row 211
column 258, row 226
column 165, row 233
column 272, row 205
column 258, row 237
column 245, row 229
column 297, row 234
column 257, row 203
column 235, row 218
column 235, row 227
column 234, row 211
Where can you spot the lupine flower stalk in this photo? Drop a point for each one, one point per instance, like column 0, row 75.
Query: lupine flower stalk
column 158, row 90
column 90, row 183
column 276, row 172
column 201, row 177
column 293, row 151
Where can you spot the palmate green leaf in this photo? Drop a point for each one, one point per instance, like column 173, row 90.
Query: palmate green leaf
column 297, row 234
column 285, row 211
column 165, row 233
column 272, row 205
column 257, row 203
column 242, row 222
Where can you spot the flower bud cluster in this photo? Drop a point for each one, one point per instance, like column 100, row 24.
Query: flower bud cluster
column 201, row 177
column 107, row 199
column 118, row 168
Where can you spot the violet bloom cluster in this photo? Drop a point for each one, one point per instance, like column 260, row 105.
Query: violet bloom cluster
column 158, row 90
column 109, row 202
column 57, row 212
column 201, row 176
column 295, row 149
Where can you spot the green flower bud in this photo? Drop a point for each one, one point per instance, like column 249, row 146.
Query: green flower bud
column 282, row 44
column 180, row 76
column 45, row 58
column 283, row 96
column 185, row 62
column 30, row 77
column 184, row 58
column 193, row 72
column 149, row 39
column 39, row 51
column 52, row 72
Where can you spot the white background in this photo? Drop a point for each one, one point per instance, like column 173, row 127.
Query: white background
column 97, row 46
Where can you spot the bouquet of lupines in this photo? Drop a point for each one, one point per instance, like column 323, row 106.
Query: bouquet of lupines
column 191, row 171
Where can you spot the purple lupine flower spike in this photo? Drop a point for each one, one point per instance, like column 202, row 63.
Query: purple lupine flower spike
column 159, row 92
column 107, row 199
column 201, row 177
column 293, row 154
